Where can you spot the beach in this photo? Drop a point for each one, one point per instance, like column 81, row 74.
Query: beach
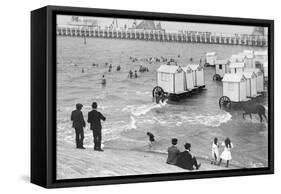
column 73, row 163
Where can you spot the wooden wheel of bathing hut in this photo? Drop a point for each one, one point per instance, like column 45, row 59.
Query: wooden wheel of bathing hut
column 157, row 92
column 225, row 101
column 217, row 77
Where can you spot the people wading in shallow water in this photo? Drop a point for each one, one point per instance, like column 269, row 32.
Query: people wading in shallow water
column 94, row 118
column 226, row 154
column 103, row 80
column 78, row 123
column 130, row 75
column 215, row 151
column 82, row 70
column 136, row 75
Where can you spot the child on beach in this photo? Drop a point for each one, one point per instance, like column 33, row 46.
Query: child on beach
column 226, row 154
column 151, row 139
column 215, row 151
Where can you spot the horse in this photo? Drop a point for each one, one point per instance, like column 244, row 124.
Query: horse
column 255, row 109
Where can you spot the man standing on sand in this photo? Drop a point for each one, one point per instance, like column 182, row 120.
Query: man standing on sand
column 173, row 152
column 78, row 123
column 94, row 118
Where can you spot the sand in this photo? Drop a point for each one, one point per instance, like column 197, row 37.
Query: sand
column 77, row 163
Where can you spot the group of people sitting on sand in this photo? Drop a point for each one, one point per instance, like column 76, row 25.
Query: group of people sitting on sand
column 185, row 159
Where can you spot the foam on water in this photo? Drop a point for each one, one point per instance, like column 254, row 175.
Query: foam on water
column 179, row 120
column 139, row 110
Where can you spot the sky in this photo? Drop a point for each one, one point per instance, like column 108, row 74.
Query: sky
column 169, row 26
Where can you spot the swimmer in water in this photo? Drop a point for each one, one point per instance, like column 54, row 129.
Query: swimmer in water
column 103, row 80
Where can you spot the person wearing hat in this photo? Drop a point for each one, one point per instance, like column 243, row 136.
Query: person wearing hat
column 186, row 160
column 94, row 118
column 78, row 123
column 173, row 152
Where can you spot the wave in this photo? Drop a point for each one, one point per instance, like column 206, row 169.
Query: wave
column 180, row 119
column 142, row 109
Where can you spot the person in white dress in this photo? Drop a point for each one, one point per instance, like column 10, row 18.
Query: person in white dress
column 215, row 151
column 226, row 154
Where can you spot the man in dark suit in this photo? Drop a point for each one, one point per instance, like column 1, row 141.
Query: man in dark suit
column 94, row 118
column 186, row 160
column 78, row 123
column 173, row 152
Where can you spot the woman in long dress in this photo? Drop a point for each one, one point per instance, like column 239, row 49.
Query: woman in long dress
column 226, row 154
column 215, row 151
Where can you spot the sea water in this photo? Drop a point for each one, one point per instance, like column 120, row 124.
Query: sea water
column 128, row 107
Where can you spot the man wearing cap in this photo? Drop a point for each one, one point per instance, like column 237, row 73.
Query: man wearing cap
column 186, row 160
column 78, row 123
column 94, row 118
column 173, row 152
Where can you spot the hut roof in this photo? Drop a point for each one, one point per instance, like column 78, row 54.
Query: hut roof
column 255, row 70
column 187, row 69
column 248, row 52
column 237, row 77
column 211, row 54
column 221, row 61
column 249, row 74
column 236, row 65
column 238, row 56
column 263, row 53
column 194, row 67
column 169, row 69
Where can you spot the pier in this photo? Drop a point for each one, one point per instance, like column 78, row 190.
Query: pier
column 161, row 35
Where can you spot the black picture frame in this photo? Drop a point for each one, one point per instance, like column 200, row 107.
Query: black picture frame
column 43, row 96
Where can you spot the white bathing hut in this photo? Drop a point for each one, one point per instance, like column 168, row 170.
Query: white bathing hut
column 222, row 67
column 198, row 74
column 236, row 67
column 234, row 87
column 260, row 78
column 260, row 57
column 265, row 70
column 211, row 58
column 171, row 79
column 248, row 52
column 189, row 82
column 251, row 82
column 248, row 56
column 238, row 58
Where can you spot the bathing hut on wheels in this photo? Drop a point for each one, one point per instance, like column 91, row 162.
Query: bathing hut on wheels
column 175, row 82
column 251, row 83
column 189, row 82
column 236, row 67
column 211, row 58
column 222, row 67
column 198, row 75
column 234, row 89
column 170, row 81
column 260, row 78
